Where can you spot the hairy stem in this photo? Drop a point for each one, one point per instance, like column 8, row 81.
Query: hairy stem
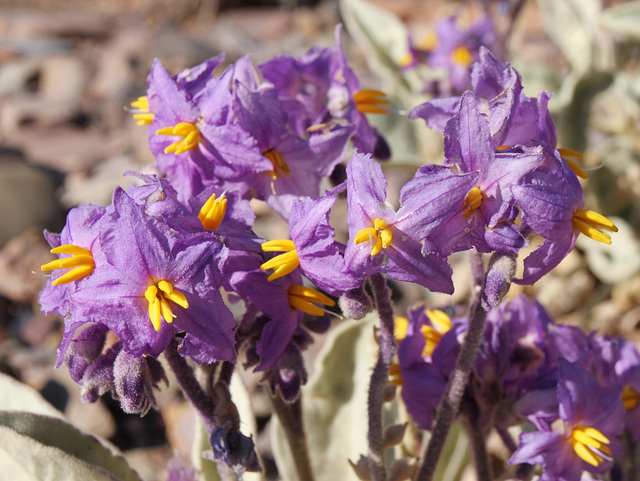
column 478, row 441
column 290, row 416
column 496, row 285
column 190, row 386
column 380, row 377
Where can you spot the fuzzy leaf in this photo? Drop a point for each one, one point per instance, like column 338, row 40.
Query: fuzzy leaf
column 572, row 25
column 17, row 396
column 623, row 20
column 334, row 419
column 51, row 449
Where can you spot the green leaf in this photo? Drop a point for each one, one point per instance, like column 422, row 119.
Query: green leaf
column 55, row 439
column 334, row 405
column 623, row 20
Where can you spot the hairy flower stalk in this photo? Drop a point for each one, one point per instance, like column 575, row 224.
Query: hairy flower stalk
column 380, row 377
column 497, row 281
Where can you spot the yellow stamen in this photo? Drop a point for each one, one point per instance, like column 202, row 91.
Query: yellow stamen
column 395, row 376
column 500, row 148
column 213, row 211
column 379, row 235
column 140, row 110
column 591, row 223
column 405, row 60
column 400, row 327
column 277, row 245
column 189, row 133
column 301, row 298
column 462, row 56
column 590, row 444
column 568, row 156
column 284, row 263
column 428, row 42
column 279, row 165
column 630, row 398
column 81, row 260
column 472, row 201
column 432, row 335
column 158, row 295
column 370, row 102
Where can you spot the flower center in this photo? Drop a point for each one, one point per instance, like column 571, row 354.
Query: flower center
column 189, row 133
column 590, row 445
column 630, row 398
column 302, row 298
column 570, row 156
column 279, row 165
column 432, row 334
column 140, row 110
column 591, row 223
column 370, row 102
column 284, row 263
column 472, row 201
column 428, row 41
column 158, row 295
column 213, row 211
column 81, row 261
column 379, row 235
column 462, row 56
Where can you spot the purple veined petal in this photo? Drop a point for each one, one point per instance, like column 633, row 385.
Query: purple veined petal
column 508, row 169
column 467, row 140
column 437, row 112
column 548, row 255
column 167, row 101
column 532, row 445
column 430, row 197
column 407, row 263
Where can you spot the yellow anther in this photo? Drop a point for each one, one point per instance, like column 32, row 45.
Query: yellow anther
column 590, row 444
column 370, row 102
column 158, row 296
column 277, row 245
column 395, row 375
column 591, row 223
column 405, row 60
column 428, row 41
column 140, row 110
column 432, row 335
column 500, row 148
column 439, row 319
column 189, row 133
column 213, row 211
column 472, row 202
column 379, row 235
column 81, row 261
column 284, row 263
column 630, row 398
column 462, row 56
column 302, row 297
column 279, row 165
column 400, row 327
column 570, row 156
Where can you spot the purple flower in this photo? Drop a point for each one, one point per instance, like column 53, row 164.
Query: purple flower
column 152, row 289
column 396, row 243
column 551, row 206
column 313, row 248
column 320, row 89
column 584, row 436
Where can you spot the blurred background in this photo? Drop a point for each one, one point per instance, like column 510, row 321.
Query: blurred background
column 68, row 69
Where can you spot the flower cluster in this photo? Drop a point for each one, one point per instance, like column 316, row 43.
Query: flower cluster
column 576, row 391
column 450, row 51
column 165, row 264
